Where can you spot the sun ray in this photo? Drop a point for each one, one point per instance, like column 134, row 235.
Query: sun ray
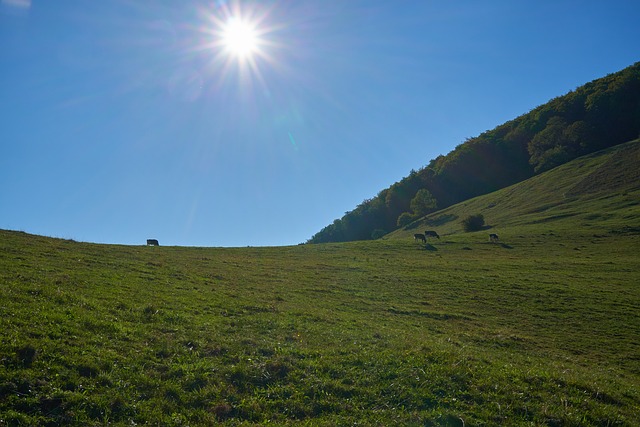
column 242, row 46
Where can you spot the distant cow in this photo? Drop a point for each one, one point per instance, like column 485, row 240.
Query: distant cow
column 152, row 242
column 420, row 237
column 493, row 238
column 431, row 233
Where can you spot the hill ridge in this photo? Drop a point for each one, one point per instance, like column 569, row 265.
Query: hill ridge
column 599, row 114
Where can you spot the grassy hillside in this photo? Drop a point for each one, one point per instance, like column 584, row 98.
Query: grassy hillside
column 597, row 115
column 600, row 191
column 540, row 329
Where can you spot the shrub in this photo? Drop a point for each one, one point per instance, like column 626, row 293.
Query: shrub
column 473, row 222
column 405, row 219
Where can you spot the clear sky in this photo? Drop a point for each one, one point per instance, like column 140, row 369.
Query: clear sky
column 123, row 120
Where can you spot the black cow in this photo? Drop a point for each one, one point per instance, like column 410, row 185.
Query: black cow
column 431, row 233
column 493, row 238
column 152, row 242
column 420, row 237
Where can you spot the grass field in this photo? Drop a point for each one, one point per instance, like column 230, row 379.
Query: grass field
column 539, row 329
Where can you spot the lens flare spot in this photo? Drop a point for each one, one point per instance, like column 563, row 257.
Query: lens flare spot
column 293, row 141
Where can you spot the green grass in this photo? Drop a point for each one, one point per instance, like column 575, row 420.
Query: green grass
column 600, row 191
column 539, row 329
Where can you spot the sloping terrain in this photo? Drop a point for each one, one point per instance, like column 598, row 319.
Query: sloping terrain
column 599, row 191
column 600, row 114
column 539, row 329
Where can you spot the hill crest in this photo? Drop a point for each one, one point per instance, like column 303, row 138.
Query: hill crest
column 601, row 185
column 597, row 115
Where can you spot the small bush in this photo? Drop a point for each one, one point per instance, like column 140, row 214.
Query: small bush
column 473, row 222
column 405, row 219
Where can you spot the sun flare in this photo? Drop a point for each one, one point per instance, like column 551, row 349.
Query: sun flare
column 240, row 38
column 242, row 42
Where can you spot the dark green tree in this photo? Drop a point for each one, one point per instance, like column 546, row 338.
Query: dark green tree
column 423, row 203
column 545, row 146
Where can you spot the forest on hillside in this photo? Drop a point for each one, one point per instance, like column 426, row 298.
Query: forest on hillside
column 597, row 115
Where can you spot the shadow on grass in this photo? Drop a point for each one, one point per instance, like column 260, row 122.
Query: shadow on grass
column 413, row 225
column 441, row 220
column 502, row 245
column 429, row 247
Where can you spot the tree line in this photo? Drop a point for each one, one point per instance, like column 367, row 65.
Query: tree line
column 597, row 115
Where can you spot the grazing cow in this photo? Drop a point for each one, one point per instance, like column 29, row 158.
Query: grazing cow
column 493, row 238
column 152, row 242
column 431, row 233
column 420, row 237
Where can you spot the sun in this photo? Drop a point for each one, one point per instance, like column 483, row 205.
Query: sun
column 240, row 38
column 240, row 41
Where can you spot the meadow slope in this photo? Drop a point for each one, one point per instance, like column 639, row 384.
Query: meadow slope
column 598, row 191
column 539, row 329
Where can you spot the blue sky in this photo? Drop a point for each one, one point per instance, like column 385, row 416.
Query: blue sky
column 124, row 120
